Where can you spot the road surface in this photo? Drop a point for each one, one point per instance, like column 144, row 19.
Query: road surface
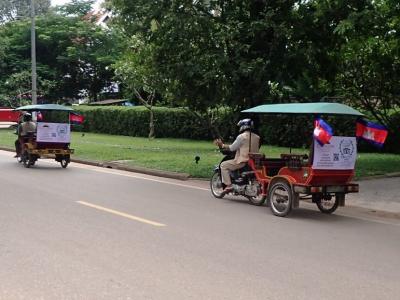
column 92, row 233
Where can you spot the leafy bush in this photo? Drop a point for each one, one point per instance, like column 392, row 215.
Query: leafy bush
column 281, row 130
column 393, row 140
column 134, row 121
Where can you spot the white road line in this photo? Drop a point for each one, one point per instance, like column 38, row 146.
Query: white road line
column 119, row 172
column 121, row 214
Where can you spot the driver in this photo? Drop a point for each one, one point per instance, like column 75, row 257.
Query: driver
column 26, row 127
column 245, row 143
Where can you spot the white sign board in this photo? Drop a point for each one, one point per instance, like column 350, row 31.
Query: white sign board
column 53, row 132
column 339, row 154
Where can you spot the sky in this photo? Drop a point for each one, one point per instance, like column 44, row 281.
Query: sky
column 58, row 2
column 61, row 2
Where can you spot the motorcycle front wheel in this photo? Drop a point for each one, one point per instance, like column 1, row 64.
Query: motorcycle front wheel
column 216, row 185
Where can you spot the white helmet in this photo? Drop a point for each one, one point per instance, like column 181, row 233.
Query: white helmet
column 245, row 124
column 27, row 117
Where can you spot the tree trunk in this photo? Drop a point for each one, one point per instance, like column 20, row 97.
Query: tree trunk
column 151, row 124
column 149, row 105
column 207, row 121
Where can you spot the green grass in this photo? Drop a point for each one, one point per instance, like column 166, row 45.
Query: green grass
column 178, row 155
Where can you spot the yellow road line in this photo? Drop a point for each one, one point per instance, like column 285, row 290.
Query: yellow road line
column 121, row 214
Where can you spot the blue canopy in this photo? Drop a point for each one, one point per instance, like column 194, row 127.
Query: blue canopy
column 41, row 107
column 316, row 108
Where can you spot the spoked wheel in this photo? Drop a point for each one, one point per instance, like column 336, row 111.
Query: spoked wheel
column 280, row 198
column 259, row 199
column 216, row 185
column 65, row 161
column 27, row 159
column 328, row 206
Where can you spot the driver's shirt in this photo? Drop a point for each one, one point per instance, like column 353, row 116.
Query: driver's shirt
column 27, row 127
column 242, row 146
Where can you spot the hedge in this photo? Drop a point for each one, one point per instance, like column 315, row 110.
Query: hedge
column 134, row 121
column 281, row 130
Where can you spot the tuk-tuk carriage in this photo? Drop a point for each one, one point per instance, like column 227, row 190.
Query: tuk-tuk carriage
column 323, row 176
column 52, row 136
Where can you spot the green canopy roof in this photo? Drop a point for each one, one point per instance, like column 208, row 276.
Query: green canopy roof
column 316, row 108
column 39, row 107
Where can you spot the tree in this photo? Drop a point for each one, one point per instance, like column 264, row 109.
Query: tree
column 15, row 72
column 370, row 59
column 243, row 53
column 136, row 68
column 76, row 8
column 212, row 52
column 73, row 55
column 11, row 10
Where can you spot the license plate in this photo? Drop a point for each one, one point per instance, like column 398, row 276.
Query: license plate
column 335, row 189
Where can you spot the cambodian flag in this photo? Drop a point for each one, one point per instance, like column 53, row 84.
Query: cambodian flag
column 322, row 132
column 76, row 119
column 39, row 116
column 371, row 132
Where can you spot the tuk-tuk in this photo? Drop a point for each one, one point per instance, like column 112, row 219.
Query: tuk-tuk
column 324, row 175
column 52, row 136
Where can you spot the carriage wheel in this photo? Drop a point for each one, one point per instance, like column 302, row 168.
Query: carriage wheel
column 328, row 206
column 65, row 161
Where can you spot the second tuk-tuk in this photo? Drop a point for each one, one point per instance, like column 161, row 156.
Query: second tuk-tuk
column 324, row 175
column 52, row 136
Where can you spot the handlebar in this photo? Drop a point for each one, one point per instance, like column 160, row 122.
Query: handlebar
column 228, row 152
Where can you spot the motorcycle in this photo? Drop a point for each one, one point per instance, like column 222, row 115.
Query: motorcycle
column 244, row 182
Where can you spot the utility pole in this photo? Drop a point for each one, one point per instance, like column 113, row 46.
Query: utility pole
column 33, row 54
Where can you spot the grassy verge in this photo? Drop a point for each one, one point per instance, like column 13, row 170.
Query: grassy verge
column 179, row 155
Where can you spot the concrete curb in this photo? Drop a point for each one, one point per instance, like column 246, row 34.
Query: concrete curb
column 118, row 166
column 173, row 175
column 388, row 175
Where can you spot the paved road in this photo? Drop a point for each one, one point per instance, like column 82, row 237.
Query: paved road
column 90, row 233
column 379, row 194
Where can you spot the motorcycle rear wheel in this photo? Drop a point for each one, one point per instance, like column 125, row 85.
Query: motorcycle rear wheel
column 280, row 198
column 26, row 159
column 216, row 186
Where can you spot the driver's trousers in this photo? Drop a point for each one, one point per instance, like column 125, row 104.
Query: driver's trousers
column 226, row 167
column 19, row 143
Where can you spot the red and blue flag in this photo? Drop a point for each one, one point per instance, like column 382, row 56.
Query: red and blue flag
column 76, row 119
column 322, row 132
column 39, row 116
column 371, row 132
